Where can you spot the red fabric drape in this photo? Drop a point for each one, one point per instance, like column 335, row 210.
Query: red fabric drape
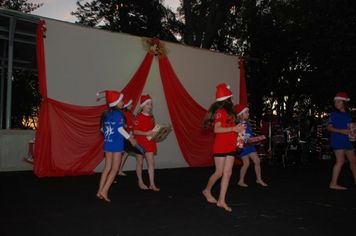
column 43, row 129
column 243, row 92
column 187, row 116
column 195, row 143
column 134, row 88
column 68, row 137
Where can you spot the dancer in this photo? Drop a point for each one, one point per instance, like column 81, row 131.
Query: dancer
column 143, row 125
column 127, row 110
column 243, row 115
column 337, row 125
column 112, row 125
column 222, row 116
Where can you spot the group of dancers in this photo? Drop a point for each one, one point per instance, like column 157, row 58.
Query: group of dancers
column 227, row 120
column 113, row 122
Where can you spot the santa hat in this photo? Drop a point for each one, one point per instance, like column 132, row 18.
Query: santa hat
column 112, row 97
column 223, row 92
column 145, row 99
column 240, row 109
column 342, row 96
column 127, row 102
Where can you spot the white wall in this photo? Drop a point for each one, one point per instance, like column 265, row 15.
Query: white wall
column 14, row 148
column 81, row 61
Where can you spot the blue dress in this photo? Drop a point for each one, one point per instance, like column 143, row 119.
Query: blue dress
column 113, row 140
column 339, row 120
column 251, row 149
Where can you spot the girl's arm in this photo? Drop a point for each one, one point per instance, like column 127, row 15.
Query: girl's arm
column 341, row 131
column 148, row 133
column 218, row 129
column 127, row 136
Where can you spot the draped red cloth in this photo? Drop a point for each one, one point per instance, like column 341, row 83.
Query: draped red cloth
column 68, row 138
column 243, row 91
column 196, row 144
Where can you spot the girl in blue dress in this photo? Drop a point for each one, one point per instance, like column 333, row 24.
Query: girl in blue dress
column 112, row 125
column 337, row 125
column 243, row 115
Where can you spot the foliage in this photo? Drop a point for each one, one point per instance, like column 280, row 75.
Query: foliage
column 26, row 100
column 147, row 18
column 204, row 20
column 301, row 46
column 19, row 5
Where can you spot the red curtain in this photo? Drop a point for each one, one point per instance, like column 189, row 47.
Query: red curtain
column 243, row 91
column 68, row 138
column 187, row 116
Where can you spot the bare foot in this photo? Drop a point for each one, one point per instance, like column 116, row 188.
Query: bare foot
column 105, row 196
column 99, row 196
column 209, row 197
column 242, row 184
column 143, row 186
column 154, row 188
column 261, row 183
column 122, row 174
column 223, row 205
column 337, row 187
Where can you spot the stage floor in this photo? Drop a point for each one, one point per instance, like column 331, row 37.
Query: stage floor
column 296, row 202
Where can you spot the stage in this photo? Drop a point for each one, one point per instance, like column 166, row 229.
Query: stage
column 297, row 201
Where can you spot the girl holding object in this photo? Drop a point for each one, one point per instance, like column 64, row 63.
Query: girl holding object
column 127, row 110
column 222, row 116
column 112, row 125
column 143, row 125
column 243, row 115
column 337, row 125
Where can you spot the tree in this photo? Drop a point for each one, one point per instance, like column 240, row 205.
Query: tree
column 141, row 18
column 19, row 5
column 204, row 19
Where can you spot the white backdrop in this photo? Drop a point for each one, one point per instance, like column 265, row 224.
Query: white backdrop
column 81, row 61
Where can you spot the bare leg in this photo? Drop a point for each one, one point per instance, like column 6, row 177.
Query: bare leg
column 352, row 159
column 151, row 171
column 139, row 164
column 123, row 160
column 106, row 170
column 257, row 162
column 219, row 167
column 229, row 163
column 116, row 159
column 243, row 170
column 340, row 160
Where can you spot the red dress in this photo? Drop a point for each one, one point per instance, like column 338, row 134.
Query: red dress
column 143, row 122
column 224, row 142
column 129, row 121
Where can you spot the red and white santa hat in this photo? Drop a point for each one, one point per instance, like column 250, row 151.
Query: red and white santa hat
column 223, row 92
column 112, row 97
column 145, row 99
column 240, row 109
column 127, row 102
column 342, row 96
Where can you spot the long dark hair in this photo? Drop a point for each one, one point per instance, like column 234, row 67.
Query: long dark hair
column 105, row 114
column 225, row 104
column 346, row 107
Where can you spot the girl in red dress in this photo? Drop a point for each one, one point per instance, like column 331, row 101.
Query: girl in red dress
column 143, row 125
column 222, row 116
